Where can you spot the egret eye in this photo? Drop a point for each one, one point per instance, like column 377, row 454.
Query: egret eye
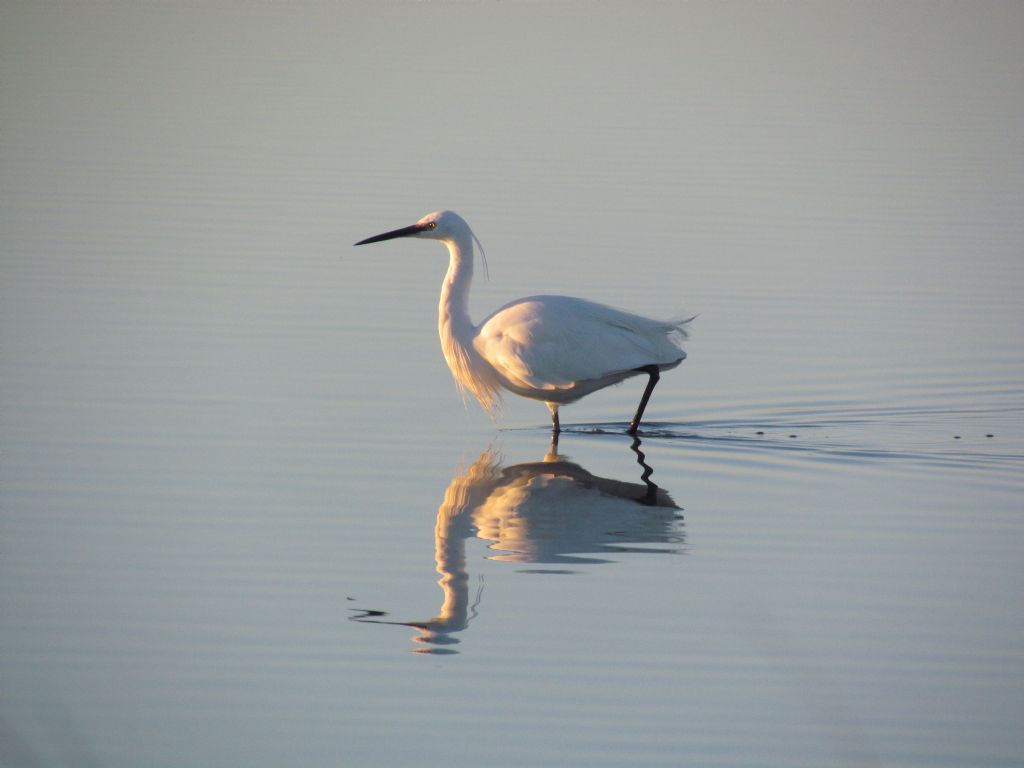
column 432, row 225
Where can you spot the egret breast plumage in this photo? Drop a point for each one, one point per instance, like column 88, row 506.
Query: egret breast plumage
column 556, row 349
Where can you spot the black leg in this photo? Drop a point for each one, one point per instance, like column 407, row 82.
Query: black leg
column 555, row 426
column 652, row 371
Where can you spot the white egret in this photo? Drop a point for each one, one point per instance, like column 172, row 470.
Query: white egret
column 551, row 348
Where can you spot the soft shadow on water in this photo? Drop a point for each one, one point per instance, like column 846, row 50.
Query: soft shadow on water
column 556, row 512
column 551, row 512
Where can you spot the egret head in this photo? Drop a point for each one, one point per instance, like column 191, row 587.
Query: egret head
column 446, row 226
column 439, row 225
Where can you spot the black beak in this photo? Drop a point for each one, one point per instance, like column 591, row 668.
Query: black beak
column 403, row 232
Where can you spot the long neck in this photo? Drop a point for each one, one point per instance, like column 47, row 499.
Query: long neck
column 453, row 309
column 457, row 331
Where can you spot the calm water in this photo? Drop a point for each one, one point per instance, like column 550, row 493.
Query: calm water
column 246, row 519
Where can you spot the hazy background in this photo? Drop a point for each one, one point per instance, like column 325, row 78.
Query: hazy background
column 224, row 432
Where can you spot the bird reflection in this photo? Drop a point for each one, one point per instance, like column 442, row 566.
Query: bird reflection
column 550, row 512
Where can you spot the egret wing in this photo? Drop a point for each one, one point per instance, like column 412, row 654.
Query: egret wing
column 554, row 342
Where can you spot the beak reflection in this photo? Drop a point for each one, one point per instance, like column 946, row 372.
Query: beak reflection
column 553, row 513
